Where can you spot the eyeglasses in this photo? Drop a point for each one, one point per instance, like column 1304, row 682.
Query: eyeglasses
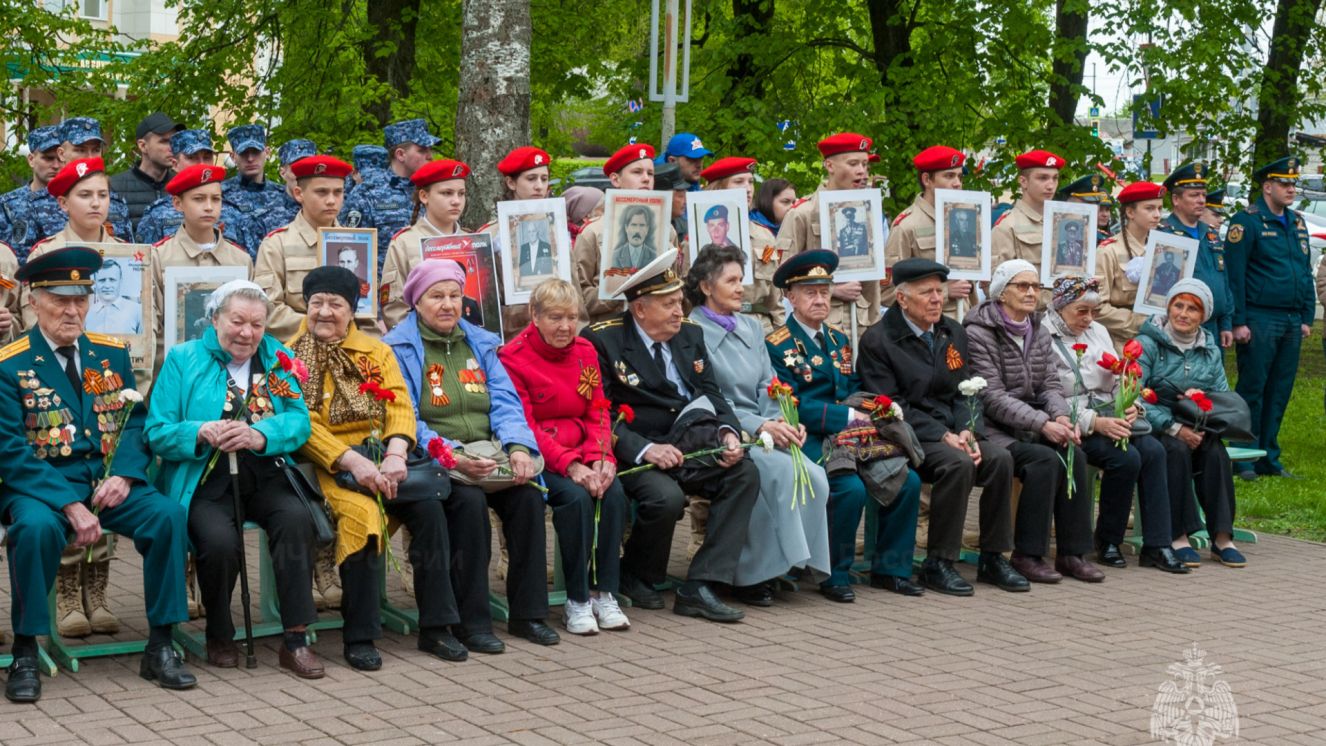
column 1023, row 287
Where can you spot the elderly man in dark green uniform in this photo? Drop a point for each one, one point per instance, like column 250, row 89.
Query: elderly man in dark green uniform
column 1187, row 189
column 65, row 395
column 1270, row 275
column 815, row 358
column 1092, row 189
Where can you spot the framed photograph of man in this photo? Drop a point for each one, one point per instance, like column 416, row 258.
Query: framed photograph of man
column 119, row 291
column 186, row 293
column 355, row 249
column 1169, row 258
column 473, row 251
column 539, row 245
column 635, row 230
column 852, row 226
column 1068, row 244
column 962, row 233
column 719, row 217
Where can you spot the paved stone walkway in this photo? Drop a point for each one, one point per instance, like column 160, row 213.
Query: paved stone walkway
column 1063, row 664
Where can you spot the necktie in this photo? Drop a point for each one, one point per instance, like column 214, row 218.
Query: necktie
column 819, row 341
column 658, row 359
column 70, row 354
column 929, row 339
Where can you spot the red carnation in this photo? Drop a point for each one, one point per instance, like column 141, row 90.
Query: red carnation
column 600, row 404
column 1132, row 349
column 626, row 413
column 441, row 452
column 883, row 402
column 1202, row 401
column 384, row 394
column 1080, row 348
column 369, row 387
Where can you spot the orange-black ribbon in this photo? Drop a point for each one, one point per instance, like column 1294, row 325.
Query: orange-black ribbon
column 589, row 380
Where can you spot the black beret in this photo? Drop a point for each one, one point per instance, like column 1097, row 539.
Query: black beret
column 336, row 280
column 910, row 270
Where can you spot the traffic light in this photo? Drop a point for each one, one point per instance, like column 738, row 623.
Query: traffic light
column 1095, row 127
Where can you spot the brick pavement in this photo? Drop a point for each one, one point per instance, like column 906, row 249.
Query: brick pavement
column 1068, row 664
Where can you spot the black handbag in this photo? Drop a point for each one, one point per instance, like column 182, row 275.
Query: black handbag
column 425, row 479
column 324, row 531
column 1229, row 417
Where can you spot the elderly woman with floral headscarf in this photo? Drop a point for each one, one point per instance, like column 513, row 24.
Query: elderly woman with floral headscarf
column 1079, row 344
column 468, row 410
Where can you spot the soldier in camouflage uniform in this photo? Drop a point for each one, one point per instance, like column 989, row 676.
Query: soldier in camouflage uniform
column 80, row 137
column 280, row 211
column 17, row 226
column 388, row 205
column 370, row 162
column 161, row 219
column 249, row 189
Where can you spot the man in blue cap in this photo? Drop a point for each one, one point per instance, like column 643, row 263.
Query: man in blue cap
column 387, row 205
column 17, row 226
column 1187, row 189
column 280, row 211
column 145, row 181
column 80, row 137
column 161, row 219
column 686, row 150
column 370, row 162
column 1270, row 276
column 249, row 189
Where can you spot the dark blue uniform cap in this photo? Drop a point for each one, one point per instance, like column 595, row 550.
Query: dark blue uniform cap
column 293, row 150
column 43, row 139
column 368, row 157
column 1090, row 189
column 717, row 212
column 79, row 130
column 410, row 130
column 64, row 271
column 247, row 137
column 188, row 142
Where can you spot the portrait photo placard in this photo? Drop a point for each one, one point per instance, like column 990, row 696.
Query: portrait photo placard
column 962, row 233
column 474, row 251
column 719, row 217
column 852, row 226
column 186, row 293
column 536, row 242
column 1068, row 244
column 355, row 249
column 635, row 229
column 1169, row 258
column 120, row 290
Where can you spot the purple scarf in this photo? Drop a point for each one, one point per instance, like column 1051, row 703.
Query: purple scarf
column 727, row 322
column 1016, row 328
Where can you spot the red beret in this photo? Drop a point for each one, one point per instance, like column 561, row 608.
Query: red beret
column 321, row 165
column 1139, row 191
column 725, row 167
column 194, row 177
column 435, row 171
column 626, row 156
column 938, row 158
column 522, row 159
column 72, row 173
column 1039, row 159
column 845, row 142
column 874, row 157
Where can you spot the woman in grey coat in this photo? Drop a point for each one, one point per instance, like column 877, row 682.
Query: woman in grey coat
column 1027, row 413
column 781, row 535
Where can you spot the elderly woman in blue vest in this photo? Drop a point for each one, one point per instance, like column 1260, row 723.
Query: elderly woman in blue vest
column 781, row 536
column 228, row 392
column 1178, row 357
column 466, row 402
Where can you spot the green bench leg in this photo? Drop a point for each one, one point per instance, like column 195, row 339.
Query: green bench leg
column 44, row 662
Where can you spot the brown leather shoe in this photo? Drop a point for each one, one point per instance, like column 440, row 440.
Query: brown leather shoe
column 1075, row 566
column 222, row 653
column 303, row 662
column 1034, row 569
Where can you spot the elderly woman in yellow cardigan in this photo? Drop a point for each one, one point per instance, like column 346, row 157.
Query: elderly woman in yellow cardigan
column 347, row 370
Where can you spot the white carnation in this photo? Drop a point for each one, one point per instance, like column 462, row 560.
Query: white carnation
column 766, row 441
column 972, row 386
column 131, row 395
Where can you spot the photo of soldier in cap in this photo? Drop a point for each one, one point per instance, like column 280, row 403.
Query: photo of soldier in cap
column 961, row 238
column 722, row 218
column 1068, row 239
column 961, row 233
column 717, row 226
column 852, row 234
column 1169, row 258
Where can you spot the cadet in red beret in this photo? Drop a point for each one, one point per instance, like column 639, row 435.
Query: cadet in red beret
column 442, row 170
column 913, row 232
column 439, row 200
column 630, row 155
column 321, row 165
column 729, row 166
column 194, row 177
column 72, row 173
column 845, row 142
column 525, row 173
column 82, row 191
column 1017, row 235
column 1120, row 257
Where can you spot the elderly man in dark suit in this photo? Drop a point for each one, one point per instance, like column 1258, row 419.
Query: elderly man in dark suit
column 919, row 357
column 654, row 360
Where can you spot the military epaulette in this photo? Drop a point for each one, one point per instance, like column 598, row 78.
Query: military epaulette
column 800, row 202
column 1251, row 209
column 1107, row 241
column 158, row 243
column 402, row 230
column 282, row 229
column 13, row 348
column 605, row 324
column 1001, row 217
column 39, row 243
column 901, row 217
column 836, row 329
column 687, row 320
column 484, row 228
column 106, row 339
column 778, row 336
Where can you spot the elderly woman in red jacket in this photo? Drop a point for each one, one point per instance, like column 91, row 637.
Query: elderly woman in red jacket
column 557, row 375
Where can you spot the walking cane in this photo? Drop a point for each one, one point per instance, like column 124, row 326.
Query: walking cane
column 250, row 660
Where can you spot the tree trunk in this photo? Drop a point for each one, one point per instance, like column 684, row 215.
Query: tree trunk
column 493, row 113
column 891, row 26
column 753, row 19
column 389, row 55
column 1070, row 56
column 1277, row 101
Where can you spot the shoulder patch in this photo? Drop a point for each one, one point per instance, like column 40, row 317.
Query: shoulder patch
column 282, row 229
column 13, row 348
column 778, row 336
column 1235, row 233
column 1003, row 217
column 606, row 324
column 800, row 202
column 901, row 217
column 402, row 230
column 158, row 243
column 106, row 339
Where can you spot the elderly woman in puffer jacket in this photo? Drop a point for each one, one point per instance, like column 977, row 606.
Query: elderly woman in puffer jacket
column 1027, row 413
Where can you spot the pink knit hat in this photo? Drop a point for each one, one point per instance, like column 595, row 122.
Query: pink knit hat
column 430, row 272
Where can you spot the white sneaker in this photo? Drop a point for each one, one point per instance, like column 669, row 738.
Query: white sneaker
column 579, row 618
column 608, row 613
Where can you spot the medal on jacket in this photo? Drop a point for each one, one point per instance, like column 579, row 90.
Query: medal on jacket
column 438, row 397
column 472, row 378
column 589, row 380
column 113, row 380
column 93, row 383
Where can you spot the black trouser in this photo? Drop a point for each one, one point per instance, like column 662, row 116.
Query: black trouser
column 1141, row 466
column 268, row 501
column 573, row 519
column 521, row 511
column 430, row 551
column 1045, row 497
column 952, row 475
column 659, row 502
column 1208, row 470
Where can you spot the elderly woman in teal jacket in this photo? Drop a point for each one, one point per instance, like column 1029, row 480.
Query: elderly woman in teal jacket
column 235, row 391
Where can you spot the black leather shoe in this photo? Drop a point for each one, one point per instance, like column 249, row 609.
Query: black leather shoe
column 1109, row 555
column 24, row 683
column 363, row 656
column 444, row 645
column 1162, row 558
column 1247, row 475
column 994, row 568
column 1283, row 474
column 843, row 594
column 534, row 630
column 938, row 575
column 165, row 666
column 483, row 642
column 760, row 594
column 642, row 595
column 904, row 586
column 697, row 599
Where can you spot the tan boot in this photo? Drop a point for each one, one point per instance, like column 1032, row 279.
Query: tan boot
column 407, row 569
column 191, row 588
column 96, row 579
column 699, row 510
column 503, row 559
column 70, row 621
column 327, row 578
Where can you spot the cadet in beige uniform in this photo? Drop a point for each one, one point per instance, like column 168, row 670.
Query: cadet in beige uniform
column 1119, row 260
column 439, row 199
column 913, row 231
column 847, row 161
column 525, row 176
column 762, row 300
column 1019, row 233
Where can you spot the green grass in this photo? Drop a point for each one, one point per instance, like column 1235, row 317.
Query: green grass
column 1294, row 507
